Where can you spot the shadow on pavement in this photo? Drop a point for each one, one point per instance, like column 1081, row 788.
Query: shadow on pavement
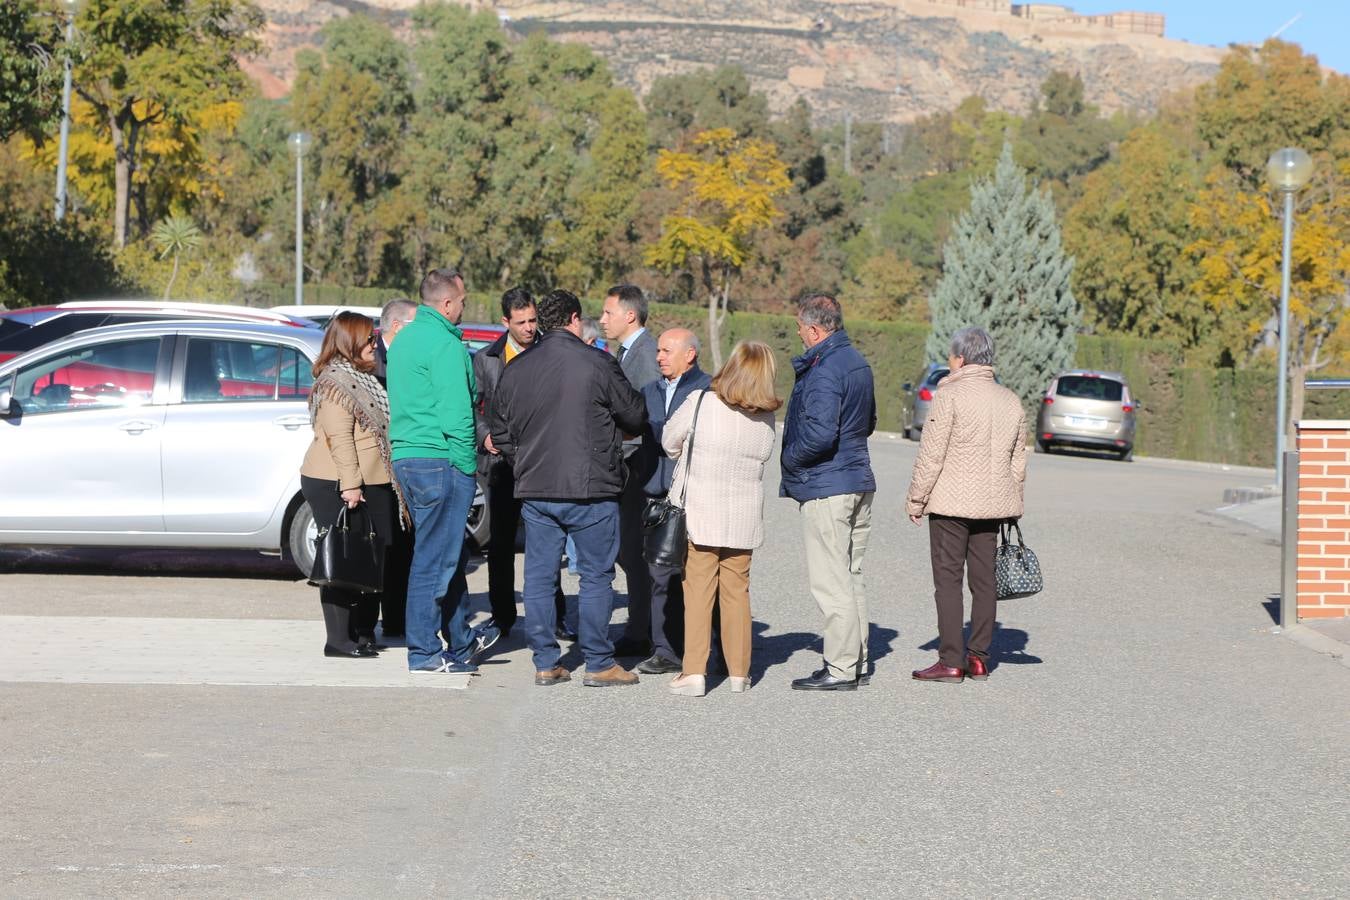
column 1272, row 607
column 1009, row 646
column 143, row 563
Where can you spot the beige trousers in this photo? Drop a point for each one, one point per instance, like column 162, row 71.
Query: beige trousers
column 836, row 530
column 717, row 576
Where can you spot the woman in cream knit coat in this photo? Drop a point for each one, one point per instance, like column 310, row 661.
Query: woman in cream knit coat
column 968, row 481
column 733, row 431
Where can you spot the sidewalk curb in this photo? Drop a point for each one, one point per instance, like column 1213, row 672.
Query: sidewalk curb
column 1163, row 461
column 1315, row 640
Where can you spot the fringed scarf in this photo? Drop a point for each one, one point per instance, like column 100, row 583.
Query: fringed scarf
column 362, row 395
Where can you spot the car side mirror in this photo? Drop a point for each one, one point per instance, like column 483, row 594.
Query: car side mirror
column 6, row 402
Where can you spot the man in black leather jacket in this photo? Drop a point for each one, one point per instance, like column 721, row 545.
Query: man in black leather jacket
column 559, row 415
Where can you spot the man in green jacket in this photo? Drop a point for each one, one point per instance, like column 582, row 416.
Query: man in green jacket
column 431, row 391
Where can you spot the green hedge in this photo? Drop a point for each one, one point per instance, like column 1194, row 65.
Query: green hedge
column 1221, row 415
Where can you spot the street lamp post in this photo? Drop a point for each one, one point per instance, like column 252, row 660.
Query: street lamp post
column 1288, row 170
column 65, row 114
column 299, row 142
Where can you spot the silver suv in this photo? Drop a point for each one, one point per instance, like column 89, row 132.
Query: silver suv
column 921, row 397
column 163, row 434
column 1089, row 410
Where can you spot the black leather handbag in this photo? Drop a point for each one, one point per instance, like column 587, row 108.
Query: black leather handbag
column 349, row 554
column 1017, row 571
column 665, row 537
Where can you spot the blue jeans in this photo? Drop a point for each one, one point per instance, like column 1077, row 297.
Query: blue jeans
column 594, row 527
column 438, row 496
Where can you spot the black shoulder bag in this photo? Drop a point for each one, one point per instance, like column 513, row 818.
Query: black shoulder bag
column 348, row 556
column 665, row 537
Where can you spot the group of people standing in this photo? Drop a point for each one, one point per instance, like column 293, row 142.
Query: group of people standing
column 575, row 441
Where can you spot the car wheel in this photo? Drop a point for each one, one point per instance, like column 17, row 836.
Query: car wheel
column 301, row 539
column 477, row 527
column 1126, row 455
column 1042, row 447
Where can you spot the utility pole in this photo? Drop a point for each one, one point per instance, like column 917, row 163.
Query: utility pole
column 848, row 142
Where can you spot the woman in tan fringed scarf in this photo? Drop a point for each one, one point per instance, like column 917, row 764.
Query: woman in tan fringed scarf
column 348, row 464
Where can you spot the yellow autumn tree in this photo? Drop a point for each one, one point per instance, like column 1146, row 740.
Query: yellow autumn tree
column 728, row 187
column 1239, row 252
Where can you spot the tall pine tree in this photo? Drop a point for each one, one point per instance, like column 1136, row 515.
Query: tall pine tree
column 1005, row 270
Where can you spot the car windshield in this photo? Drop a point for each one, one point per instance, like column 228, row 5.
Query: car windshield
column 1085, row 387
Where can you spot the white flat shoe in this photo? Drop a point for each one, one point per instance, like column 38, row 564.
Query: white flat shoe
column 688, row 686
column 739, row 685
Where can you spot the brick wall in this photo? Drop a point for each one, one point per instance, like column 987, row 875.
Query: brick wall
column 1323, row 519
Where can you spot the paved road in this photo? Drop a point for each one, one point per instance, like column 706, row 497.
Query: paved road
column 1144, row 735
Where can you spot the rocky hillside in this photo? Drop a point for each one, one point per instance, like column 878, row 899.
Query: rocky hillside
column 890, row 60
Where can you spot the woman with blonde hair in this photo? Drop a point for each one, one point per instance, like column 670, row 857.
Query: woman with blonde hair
column 348, row 464
column 725, row 435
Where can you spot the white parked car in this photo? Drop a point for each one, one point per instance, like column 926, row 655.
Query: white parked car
column 163, row 434
column 323, row 313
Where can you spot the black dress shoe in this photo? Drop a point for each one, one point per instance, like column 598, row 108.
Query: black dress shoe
column 657, row 664
column 822, row 680
column 354, row 653
column 632, row 647
column 371, row 645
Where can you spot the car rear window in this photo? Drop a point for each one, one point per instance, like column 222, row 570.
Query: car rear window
column 1083, row 387
column 62, row 326
column 938, row 375
column 11, row 327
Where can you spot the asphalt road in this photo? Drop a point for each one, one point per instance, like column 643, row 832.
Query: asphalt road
column 1144, row 734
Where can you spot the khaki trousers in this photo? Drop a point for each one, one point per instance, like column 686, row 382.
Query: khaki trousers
column 836, row 531
column 717, row 575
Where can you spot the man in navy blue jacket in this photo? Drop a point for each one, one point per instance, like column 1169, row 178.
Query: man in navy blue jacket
column 827, row 470
column 677, row 358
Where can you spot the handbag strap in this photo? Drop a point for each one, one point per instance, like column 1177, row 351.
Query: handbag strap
column 1007, row 529
column 344, row 514
column 689, row 454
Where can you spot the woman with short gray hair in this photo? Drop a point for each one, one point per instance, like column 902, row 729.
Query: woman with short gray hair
column 968, row 480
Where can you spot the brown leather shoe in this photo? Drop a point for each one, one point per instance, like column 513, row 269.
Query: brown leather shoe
column 976, row 668
column 938, row 672
column 615, row 676
column 555, row 675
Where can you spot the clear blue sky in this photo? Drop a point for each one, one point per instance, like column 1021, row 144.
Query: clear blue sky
column 1323, row 31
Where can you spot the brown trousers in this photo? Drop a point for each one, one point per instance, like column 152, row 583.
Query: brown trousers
column 956, row 545
column 713, row 576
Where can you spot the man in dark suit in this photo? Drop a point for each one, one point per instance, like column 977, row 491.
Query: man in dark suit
column 395, row 314
column 624, row 321
column 522, row 332
column 398, row 558
column 677, row 357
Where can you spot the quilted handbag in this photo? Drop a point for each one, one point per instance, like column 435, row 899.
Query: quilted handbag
column 349, row 554
column 1017, row 571
column 665, row 536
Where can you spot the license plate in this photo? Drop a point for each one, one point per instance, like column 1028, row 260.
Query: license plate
column 1085, row 421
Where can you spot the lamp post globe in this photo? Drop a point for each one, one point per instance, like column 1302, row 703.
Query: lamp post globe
column 299, row 142
column 1287, row 170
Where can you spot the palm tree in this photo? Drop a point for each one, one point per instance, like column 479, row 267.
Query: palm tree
column 176, row 235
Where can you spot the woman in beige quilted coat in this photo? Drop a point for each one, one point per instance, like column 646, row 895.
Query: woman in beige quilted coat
column 968, row 480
